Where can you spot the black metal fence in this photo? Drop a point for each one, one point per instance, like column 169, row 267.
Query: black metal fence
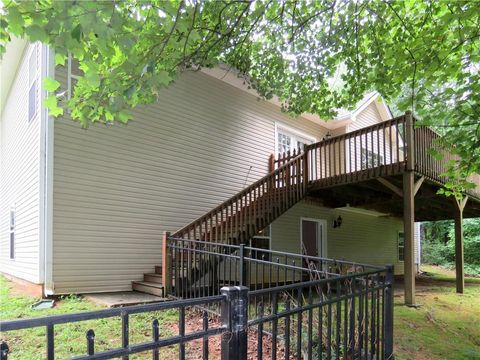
column 276, row 305
column 127, row 348
column 200, row 268
column 345, row 317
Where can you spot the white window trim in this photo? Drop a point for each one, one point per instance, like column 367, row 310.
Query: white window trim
column 291, row 130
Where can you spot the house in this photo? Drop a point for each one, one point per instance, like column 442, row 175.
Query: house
column 84, row 210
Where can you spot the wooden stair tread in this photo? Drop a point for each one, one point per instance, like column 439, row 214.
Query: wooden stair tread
column 154, row 274
column 152, row 288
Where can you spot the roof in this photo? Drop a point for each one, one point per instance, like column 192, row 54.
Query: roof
column 365, row 101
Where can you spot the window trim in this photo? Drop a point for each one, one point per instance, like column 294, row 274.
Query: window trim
column 293, row 131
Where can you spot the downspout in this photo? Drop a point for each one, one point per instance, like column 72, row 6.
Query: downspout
column 46, row 179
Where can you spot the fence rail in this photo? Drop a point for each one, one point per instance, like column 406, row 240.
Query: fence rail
column 346, row 316
column 124, row 313
column 199, row 268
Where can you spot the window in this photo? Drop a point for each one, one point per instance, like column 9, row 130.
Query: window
column 370, row 159
column 289, row 140
column 261, row 241
column 32, row 84
column 12, row 234
column 401, row 246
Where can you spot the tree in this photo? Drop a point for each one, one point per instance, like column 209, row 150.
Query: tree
column 424, row 55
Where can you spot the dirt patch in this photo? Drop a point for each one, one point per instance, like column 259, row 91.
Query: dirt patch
column 194, row 349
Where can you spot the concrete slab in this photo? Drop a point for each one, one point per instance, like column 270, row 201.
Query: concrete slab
column 123, row 298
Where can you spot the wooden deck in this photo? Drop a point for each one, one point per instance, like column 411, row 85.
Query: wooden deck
column 365, row 168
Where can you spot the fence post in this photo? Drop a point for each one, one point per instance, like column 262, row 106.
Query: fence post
column 388, row 341
column 242, row 266
column 3, row 351
column 166, row 265
column 234, row 317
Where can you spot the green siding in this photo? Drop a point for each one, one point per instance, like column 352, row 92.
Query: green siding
column 361, row 238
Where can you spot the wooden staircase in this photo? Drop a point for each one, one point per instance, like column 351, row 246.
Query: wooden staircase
column 242, row 216
column 152, row 283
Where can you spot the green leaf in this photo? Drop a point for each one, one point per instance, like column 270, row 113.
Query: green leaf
column 36, row 33
column 50, row 84
column 77, row 32
column 124, row 117
column 93, row 79
column 60, row 59
column 51, row 103
column 15, row 20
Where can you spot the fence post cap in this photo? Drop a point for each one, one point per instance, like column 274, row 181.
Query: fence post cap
column 233, row 289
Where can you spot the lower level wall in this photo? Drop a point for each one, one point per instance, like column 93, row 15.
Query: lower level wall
column 360, row 238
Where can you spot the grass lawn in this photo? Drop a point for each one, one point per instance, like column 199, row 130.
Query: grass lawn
column 446, row 326
column 70, row 338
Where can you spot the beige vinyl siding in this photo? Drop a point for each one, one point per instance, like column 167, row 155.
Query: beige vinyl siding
column 20, row 175
column 361, row 238
column 367, row 117
column 116, row 189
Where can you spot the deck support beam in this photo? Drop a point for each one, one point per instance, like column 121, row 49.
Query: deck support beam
column 459, row 264
column 409, row 190
column 390, row 186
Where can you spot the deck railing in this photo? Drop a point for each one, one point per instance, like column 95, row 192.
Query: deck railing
column 358, row 155
column 432, row 160
column 374, row 151
column 377, row 150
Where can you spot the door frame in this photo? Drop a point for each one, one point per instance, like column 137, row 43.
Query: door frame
column 321, row 225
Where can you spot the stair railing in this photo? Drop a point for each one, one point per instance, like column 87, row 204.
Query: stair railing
column 242, row 216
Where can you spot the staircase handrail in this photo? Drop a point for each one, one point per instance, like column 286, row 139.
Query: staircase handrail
column 248, row 189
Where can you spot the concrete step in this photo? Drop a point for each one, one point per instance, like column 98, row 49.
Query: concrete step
column 149, row 288
column 153, row 277
column 158, row 269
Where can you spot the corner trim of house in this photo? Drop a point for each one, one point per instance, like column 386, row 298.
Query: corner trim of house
column 46, row 180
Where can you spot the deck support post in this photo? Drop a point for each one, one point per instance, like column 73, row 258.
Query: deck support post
column 409, row 234
column 459, row 265
column 409, row 211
